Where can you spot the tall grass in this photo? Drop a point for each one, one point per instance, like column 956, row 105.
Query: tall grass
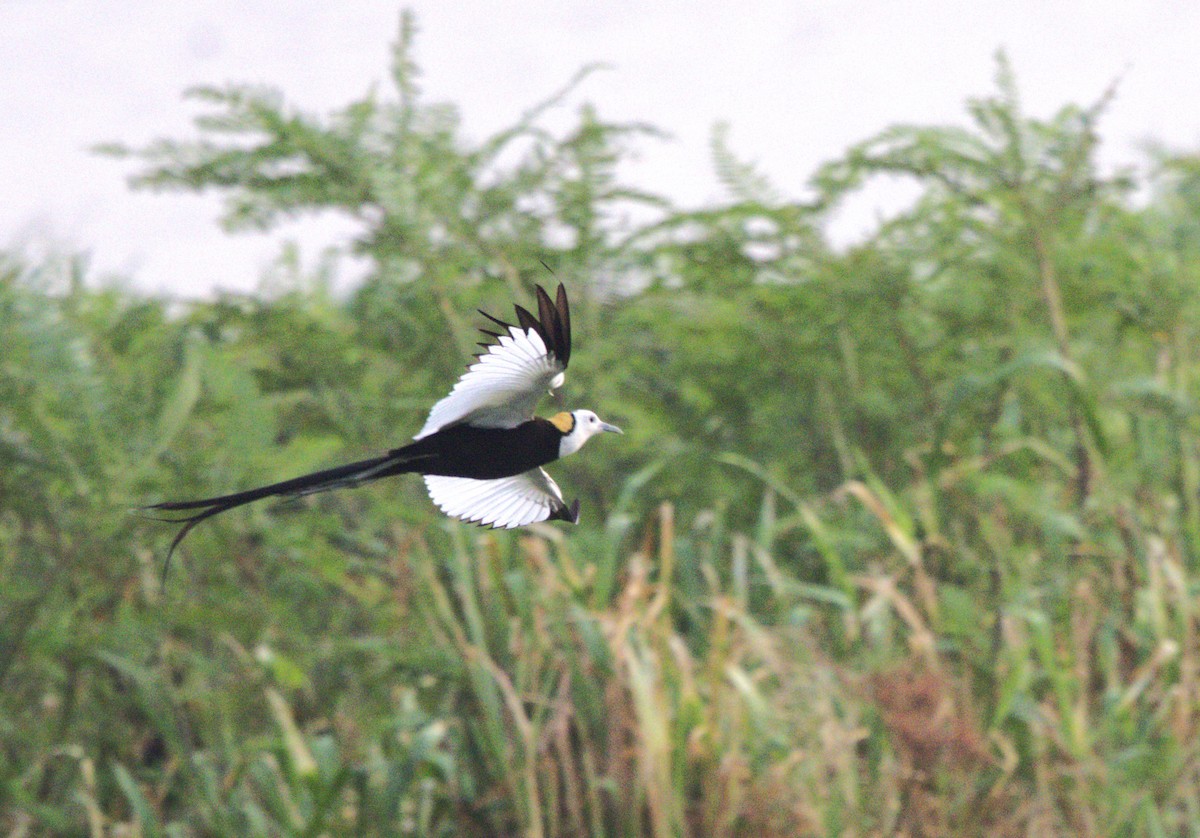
column 703, row 700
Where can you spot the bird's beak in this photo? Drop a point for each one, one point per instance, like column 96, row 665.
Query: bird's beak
column 604, row 426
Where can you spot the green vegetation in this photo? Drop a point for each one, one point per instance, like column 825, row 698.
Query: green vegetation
column 903, row 539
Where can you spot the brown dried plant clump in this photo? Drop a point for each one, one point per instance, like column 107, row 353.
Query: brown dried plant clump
column 942, row 785
column 931, row 726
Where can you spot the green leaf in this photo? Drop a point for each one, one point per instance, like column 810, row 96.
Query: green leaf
column 147, row 820
column 182, row 400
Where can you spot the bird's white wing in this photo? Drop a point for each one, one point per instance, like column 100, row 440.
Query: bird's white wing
column 503, row 386
column 507, row 502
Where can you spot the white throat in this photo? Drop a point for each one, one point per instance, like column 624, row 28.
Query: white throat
column 573, row 441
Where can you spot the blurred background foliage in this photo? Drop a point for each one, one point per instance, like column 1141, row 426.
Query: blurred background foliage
column 900, row 539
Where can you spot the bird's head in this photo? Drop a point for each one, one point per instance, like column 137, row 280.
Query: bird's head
column 578, row 427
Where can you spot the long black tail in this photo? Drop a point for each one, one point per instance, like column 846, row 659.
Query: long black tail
column 398, row 461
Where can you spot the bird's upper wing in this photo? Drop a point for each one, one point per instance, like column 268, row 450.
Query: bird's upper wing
column 505, row 503
column 502, row 387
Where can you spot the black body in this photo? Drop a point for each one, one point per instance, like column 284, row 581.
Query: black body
column 480, row 453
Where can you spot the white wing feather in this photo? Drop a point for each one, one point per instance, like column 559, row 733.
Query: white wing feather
column 505, row 503
column 501, row 389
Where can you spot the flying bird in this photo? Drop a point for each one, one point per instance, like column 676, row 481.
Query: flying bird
column 482, row 449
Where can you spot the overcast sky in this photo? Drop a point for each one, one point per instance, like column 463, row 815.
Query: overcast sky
column 797, row 81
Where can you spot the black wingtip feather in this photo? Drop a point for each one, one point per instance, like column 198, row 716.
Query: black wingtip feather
column 552, row 323
column 548, row 314
column 496, row 320
column 570, row 514
column 528, row 321
column 564, row 320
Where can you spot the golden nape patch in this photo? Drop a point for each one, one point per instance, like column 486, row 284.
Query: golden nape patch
column 565, row 422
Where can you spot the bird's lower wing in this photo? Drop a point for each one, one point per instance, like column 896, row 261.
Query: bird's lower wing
column 505, row 503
